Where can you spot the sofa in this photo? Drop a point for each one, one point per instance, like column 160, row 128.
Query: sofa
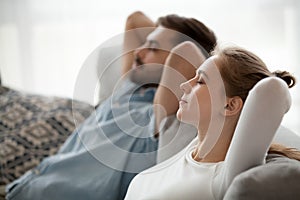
column 33, row 127
column 279, row 178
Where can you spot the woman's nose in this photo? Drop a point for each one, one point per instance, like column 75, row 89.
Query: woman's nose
column 186, row 86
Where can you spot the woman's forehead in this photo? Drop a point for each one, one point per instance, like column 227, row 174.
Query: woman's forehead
column 211, row 73
column 209, row 67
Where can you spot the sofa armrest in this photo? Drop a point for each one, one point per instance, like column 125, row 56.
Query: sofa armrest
column 277, row 179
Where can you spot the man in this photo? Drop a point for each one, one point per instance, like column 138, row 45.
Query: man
column 120, row 139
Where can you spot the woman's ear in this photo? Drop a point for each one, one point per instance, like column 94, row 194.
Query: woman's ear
column 234, row 106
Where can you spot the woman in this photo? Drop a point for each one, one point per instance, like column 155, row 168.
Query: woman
column 234, row 134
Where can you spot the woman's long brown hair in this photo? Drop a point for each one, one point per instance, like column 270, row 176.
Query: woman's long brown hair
column 241, row 70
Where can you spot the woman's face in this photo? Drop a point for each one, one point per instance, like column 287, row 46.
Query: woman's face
column 204, row 96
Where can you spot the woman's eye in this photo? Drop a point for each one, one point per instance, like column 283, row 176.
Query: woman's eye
column 152, row 48
column 201, row 81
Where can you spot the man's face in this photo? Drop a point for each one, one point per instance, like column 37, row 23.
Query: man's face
column 150, row 57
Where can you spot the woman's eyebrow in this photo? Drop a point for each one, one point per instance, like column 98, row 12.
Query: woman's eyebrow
column 201, row 72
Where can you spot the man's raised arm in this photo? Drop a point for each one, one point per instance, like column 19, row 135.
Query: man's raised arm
column 180, row 66
column 138, row 26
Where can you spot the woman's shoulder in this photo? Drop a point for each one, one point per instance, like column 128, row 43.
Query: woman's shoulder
column 174, row 160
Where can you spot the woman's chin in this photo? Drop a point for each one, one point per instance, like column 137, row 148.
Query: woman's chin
column 181, row 117
column 185, row 119
column 178, row 115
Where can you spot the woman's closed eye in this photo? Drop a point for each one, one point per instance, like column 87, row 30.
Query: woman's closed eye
column 152, row 49
column 201, row 81
column 152, row 46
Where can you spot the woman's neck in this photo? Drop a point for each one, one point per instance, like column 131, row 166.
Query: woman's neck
column 212, row 147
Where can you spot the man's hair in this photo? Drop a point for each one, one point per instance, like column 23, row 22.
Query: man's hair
column 191, row 30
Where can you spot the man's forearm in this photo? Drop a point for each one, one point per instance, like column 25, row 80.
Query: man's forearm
column 138, row 26
column 180, row 66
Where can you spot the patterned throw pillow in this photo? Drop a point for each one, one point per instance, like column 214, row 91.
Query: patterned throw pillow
column 33, row 127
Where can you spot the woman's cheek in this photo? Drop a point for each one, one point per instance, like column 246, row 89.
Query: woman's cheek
column 194, row 107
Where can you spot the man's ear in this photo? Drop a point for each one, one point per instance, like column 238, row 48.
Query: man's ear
column 234, row 106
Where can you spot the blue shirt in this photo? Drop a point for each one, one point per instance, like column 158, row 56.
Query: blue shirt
column 101, row 157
